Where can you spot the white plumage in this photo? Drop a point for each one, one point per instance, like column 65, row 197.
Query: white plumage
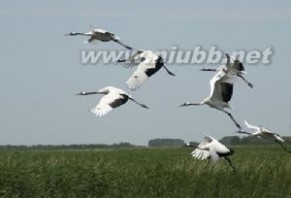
column 103, row 107
column 148, row 63
column 211, row 149
column 262, row 132
column 100, row 35
column 221, row 90
column 114, row 97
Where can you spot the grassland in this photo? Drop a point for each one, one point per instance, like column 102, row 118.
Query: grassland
column 163, row 172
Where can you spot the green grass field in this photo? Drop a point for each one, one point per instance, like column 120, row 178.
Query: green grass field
column 161, row 172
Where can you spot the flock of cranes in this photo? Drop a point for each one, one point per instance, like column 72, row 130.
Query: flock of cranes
column 147, row 63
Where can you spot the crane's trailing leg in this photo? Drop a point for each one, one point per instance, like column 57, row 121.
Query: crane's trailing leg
column 230, row 163
column 122, row 44
column 234, row 121
column 246, row 81
column 142, row 105
column 169, row 72
column 283, row 146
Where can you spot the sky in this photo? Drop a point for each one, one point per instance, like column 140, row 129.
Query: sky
column 41, row 70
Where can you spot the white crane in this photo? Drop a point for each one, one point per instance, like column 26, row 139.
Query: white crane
column 213, row 150
column 114, row 97
column 221, row 89
column 148, row 63
column 265, row 133
column 232, row 67
column 100, row 35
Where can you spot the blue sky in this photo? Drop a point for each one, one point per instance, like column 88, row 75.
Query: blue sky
column 41, row 70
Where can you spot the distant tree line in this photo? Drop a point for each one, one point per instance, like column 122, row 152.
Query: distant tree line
column 228, row 140
column 163, row 142
column 249, row 140
column 68, row 146
column 166, row 142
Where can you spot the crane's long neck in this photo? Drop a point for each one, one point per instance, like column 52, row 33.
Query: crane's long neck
column 90, row 93
column 191, row 104
column 208, row 69
column 78, row 33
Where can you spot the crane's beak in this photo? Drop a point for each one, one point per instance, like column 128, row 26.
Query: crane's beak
column 81, row 93
column 183, row 105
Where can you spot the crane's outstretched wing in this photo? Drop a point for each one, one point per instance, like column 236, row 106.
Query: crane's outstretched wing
column 221, row 87
column 201, row 154
column 140, row 75
column 219, row 148
column 107, row 103
column 211, row 149
column 251, row 126
column 204, row 150
column 98, row 30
